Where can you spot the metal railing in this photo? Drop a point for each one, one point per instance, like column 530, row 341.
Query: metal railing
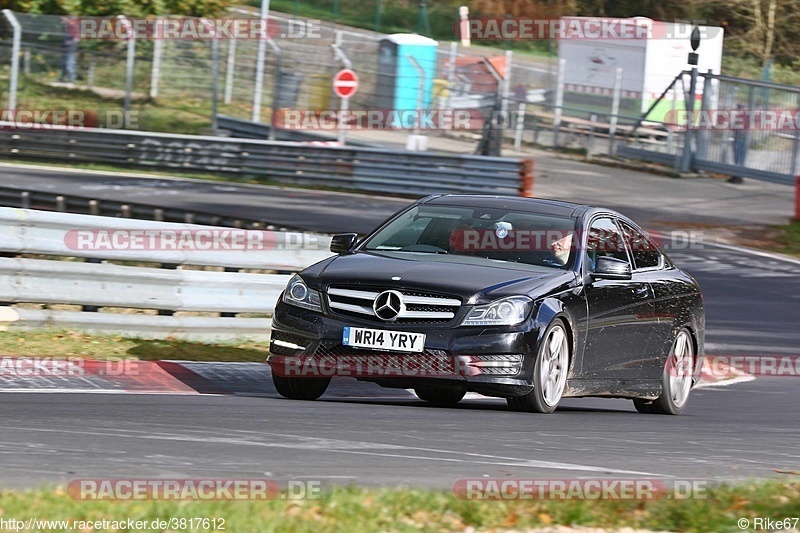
column 717, row 143
column 96, row 283
column 358, row 169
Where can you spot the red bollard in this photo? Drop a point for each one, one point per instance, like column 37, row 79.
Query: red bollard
column 526, row 178
column 797, row 200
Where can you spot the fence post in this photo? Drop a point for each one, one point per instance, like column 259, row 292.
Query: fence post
column 590, row 141
column 795, row 142
column 506, row 87
column 562, row 68
column 612, row 128
column 702, row 135
column 688, row 148
column 231, row 66
column 260, row 56
column 214, row 73
column 90, row 73
column 155, row 75
column 14, row 75
column 129, row 63
column 451, row 73
column 344, row 103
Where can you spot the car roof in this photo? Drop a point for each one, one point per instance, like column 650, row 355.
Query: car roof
column 532, row 205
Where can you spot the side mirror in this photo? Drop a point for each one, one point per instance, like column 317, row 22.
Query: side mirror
column 341, row 244
column 611, row 268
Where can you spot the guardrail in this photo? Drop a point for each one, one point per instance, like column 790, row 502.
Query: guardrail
column 350, row 168
column 247, row 129
column 87, row 205
column 94, row 284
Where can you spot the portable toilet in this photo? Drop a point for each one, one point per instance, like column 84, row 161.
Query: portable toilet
column 398, row 80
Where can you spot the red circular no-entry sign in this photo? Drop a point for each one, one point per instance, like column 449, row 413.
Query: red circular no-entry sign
column 345, row 83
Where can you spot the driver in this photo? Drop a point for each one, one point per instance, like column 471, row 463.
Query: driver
column 560, row 249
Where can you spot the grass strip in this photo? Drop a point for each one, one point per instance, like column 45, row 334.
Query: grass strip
column 66, row 343
column 388, row 509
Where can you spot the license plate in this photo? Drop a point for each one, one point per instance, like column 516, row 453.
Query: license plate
column 395, row 341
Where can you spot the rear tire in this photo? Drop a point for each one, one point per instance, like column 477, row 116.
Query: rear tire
column 549, row 372
column 676, row 379
column 440, row 397
column 300, row 388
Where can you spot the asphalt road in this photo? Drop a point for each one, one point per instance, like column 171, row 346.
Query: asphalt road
column 743, row 430
column 736, row 432
column 303, row 209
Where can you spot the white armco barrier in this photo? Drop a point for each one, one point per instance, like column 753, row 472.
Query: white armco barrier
column 43, row 232
column 55, row 282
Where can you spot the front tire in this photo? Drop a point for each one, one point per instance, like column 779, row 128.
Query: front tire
column 300, row 388
column 676, row 379
column 440, row 397
column 549, row 372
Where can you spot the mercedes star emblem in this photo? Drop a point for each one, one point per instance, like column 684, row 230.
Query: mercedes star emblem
column 388, row 305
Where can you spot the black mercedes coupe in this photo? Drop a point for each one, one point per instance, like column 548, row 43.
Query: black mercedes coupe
column 525, row 299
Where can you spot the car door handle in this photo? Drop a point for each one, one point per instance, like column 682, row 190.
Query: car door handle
column 642, row 291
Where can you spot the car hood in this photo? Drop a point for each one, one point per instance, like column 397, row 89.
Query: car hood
column 439, row 273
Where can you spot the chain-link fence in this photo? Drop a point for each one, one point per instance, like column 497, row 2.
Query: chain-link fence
column 738, row 127
column 530, row 94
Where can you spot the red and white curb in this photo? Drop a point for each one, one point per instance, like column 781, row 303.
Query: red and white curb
column 43, row 374
column 721, row 375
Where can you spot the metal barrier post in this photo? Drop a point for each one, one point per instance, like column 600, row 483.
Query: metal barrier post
column 14, row 75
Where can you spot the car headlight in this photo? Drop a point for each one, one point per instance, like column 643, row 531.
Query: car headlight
column 504, row 312
column 297, row 293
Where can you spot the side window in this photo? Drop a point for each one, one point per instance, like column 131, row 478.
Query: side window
column 644, row 251
column 605, row 239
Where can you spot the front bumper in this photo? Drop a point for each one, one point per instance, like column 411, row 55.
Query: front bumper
column 490, row 361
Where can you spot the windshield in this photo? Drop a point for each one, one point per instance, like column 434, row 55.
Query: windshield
column 491, row 234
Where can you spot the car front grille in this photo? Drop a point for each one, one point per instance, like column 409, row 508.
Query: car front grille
column 420, row 307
